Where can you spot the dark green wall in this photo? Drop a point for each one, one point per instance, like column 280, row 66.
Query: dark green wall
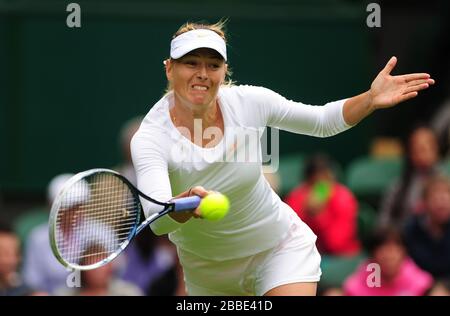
column 3, row 100
column 68, row 91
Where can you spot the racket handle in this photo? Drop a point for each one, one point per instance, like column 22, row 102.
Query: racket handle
column 187, row 203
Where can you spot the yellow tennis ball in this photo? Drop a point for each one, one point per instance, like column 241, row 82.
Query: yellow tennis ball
column 214, row 206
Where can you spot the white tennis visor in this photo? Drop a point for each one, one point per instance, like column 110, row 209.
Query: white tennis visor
column 200, row 38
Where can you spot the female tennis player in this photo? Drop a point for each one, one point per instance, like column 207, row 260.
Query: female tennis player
column 190, row 143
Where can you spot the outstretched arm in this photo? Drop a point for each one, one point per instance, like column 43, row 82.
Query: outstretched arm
column 386, row 91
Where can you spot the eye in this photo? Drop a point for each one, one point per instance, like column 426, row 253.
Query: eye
column 190, row 63
column 214, row 66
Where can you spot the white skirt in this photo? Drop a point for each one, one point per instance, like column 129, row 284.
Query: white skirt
column 295, row 259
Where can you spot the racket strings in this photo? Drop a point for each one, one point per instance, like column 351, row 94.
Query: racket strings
column 96, row 215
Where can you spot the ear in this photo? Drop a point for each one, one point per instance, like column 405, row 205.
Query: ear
column 169, row 67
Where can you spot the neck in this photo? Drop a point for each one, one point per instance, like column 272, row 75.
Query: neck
column 184, row 113
column 192, row 121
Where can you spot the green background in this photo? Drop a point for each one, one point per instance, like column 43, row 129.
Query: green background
column 65, row 93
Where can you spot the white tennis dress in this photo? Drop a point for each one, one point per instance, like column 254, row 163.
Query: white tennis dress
column 167, row 163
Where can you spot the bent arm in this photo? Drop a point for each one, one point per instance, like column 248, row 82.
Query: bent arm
column 152, row 175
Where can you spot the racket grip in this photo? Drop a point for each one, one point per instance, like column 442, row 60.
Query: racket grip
column 187, row 203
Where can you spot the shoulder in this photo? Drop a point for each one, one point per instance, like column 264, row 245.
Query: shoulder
column 249, row 102
column 245, row 91
column 296, row 198
column 411, row 271
column 355, row 284
column 155, row 127
column 298, row 191
column 39, row 234
column 342, row 189
column 157, row 119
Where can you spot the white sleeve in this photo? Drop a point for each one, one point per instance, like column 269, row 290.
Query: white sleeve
column 152, row 175
column 296, row 117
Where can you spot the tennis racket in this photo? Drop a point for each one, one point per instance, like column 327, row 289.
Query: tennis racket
column 96, row 215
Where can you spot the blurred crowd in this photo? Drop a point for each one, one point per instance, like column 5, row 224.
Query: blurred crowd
column 387, row 239
column 149, row 265
column 388, row 231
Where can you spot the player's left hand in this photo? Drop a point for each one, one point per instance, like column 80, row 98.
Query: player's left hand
column 387, row 90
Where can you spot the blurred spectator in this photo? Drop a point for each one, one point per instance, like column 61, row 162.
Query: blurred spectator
column 170, row 283
column 41, row 269
column 398, row 274
column 150, row 260
column 11, row 283
column 441, row 125
column 126, row 134
column 181, row 286
column 100, row 281
column 421, row 162
column 151, row 264
column 427, row 235
column 328, row 208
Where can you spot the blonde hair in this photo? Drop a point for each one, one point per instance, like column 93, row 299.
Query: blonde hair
column 218, row 27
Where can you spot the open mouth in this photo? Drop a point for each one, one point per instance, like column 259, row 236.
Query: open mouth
column 199, row 87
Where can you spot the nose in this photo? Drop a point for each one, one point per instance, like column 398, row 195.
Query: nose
column 202, row 73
